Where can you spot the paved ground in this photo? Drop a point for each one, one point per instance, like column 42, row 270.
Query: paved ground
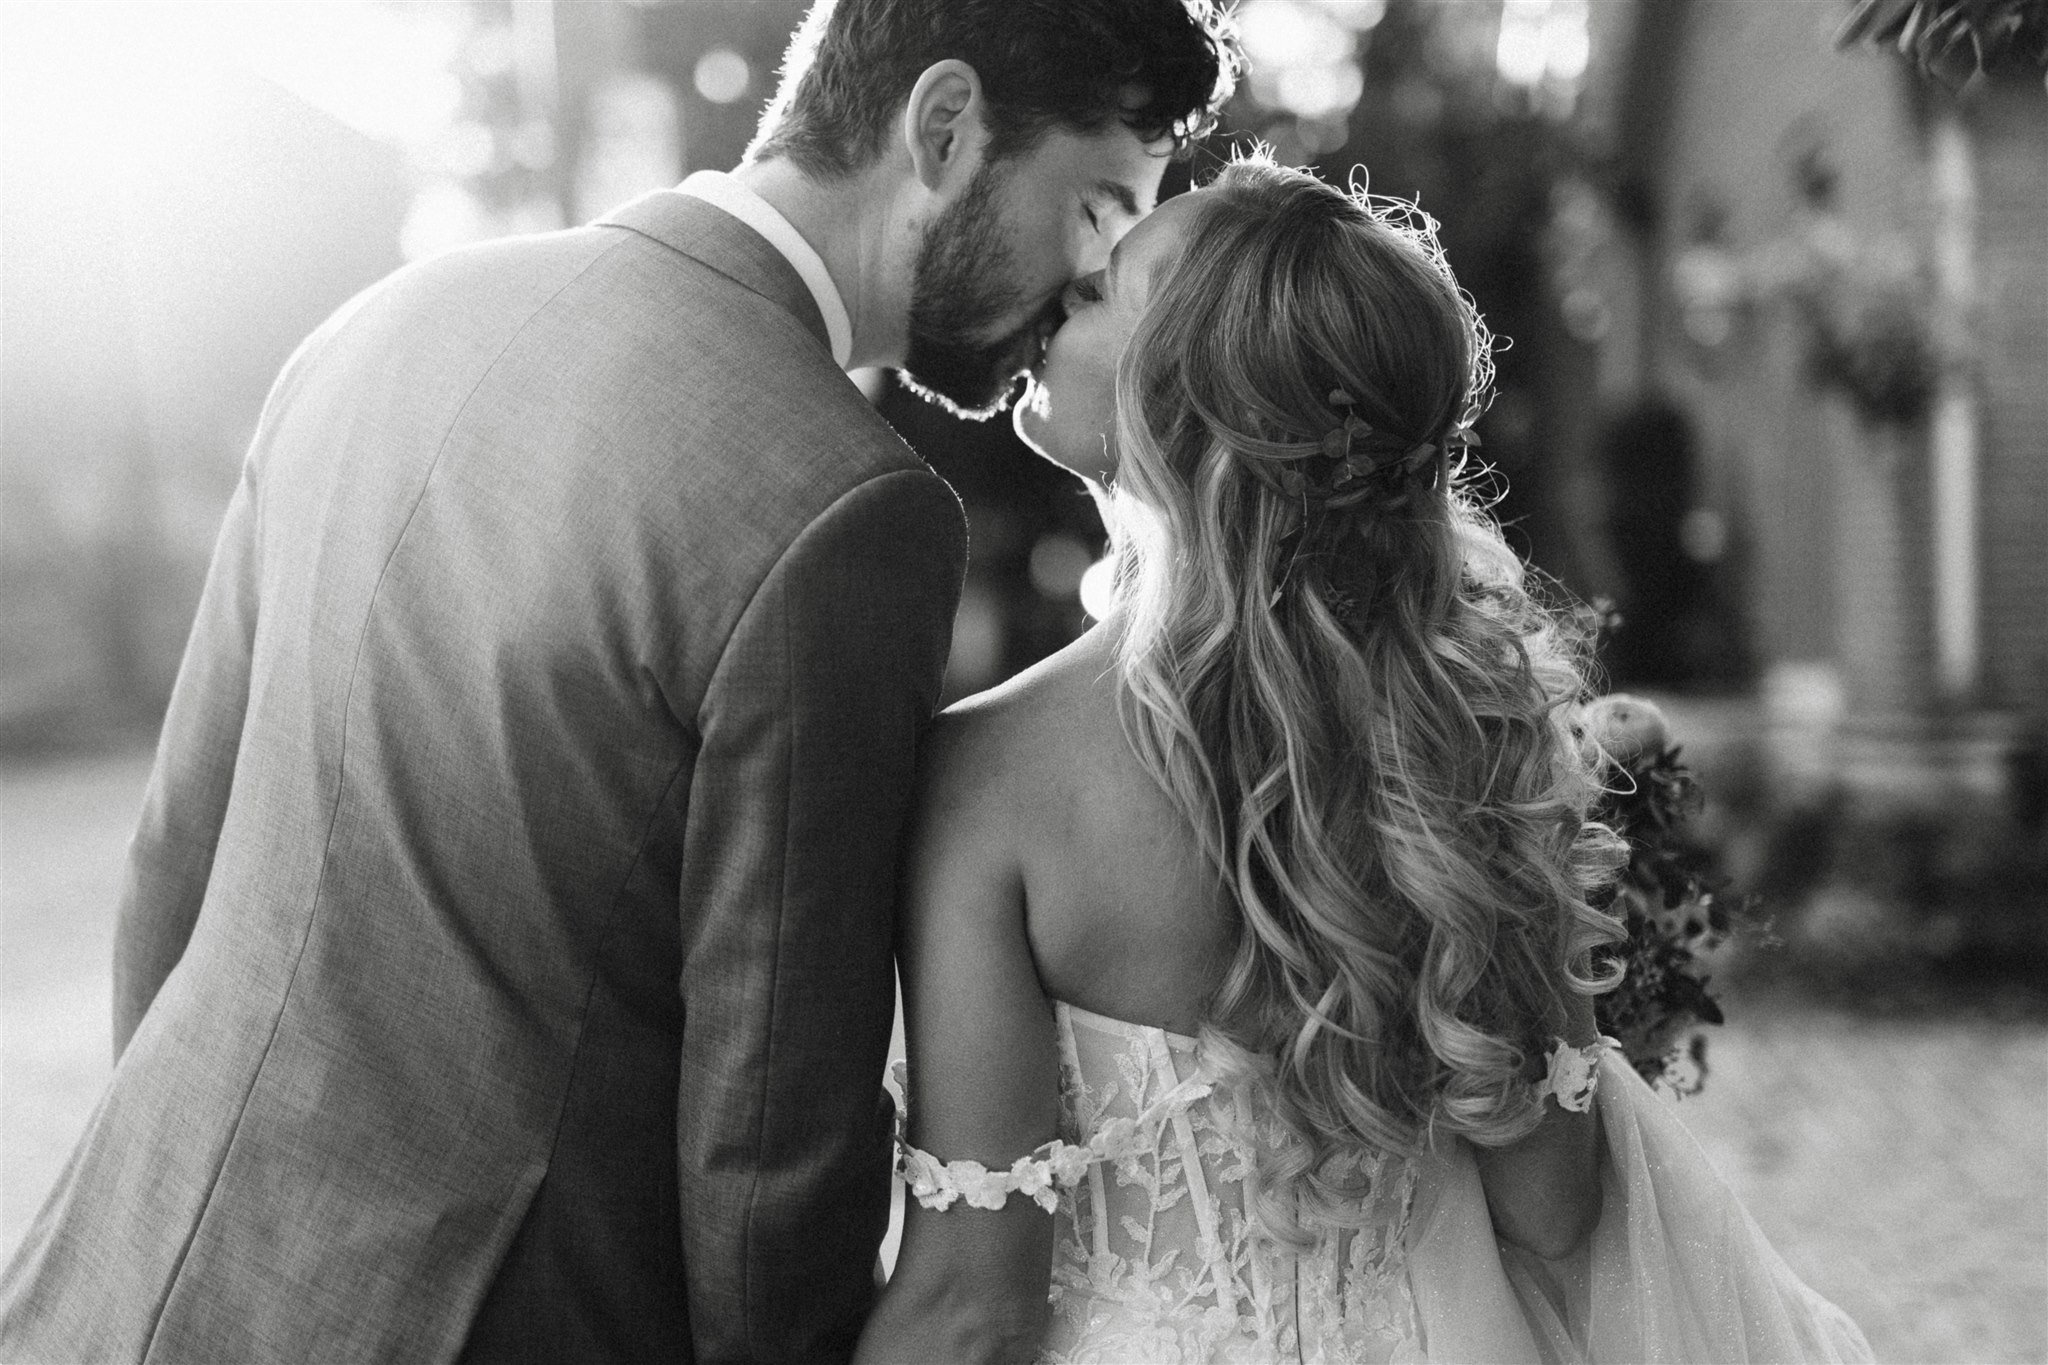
column 1901, row 1166
column 63, row 829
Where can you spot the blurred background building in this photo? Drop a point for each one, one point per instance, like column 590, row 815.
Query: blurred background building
column 1778, row 316
column 1823, row 279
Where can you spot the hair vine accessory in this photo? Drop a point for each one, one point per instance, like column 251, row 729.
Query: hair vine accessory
column 1349, row 463
column 1353, row 460
column 1290, row 554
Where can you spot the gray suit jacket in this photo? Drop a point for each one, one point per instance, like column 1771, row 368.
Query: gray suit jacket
column 517, row 867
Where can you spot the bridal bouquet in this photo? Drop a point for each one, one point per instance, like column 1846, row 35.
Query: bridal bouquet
column 1669, row 902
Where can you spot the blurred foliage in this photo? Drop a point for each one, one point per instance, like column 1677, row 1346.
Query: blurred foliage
column 502, row 145
column 1889, row 905
column 1896, row 904
column 1866, row 309
column 1876, row 352
column 1953, row 41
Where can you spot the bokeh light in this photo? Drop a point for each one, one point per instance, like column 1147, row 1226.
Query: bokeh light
column 975, row 660
column 1304, row 56
column 1058, row 562
column 117, row 88
column 722, row 75
column 1098, row 588
column 1543, row 41
column 633, row 141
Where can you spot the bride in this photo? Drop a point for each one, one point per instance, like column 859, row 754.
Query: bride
column 1249, row 937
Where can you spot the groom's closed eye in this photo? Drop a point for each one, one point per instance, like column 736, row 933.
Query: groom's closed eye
column 1106, row 195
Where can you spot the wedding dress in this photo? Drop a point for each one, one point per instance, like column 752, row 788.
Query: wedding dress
column 1155, row 1257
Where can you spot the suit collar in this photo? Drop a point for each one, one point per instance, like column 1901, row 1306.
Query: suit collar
column 714, row 237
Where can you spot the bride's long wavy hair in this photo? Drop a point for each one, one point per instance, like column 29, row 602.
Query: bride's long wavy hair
column 1362, row 710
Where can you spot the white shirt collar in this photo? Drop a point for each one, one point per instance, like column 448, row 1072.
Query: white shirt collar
column 721, row 191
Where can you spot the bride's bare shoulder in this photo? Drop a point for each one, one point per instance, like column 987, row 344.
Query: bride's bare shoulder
column 1033, row 787
column 992, row 771
column 1026, row 731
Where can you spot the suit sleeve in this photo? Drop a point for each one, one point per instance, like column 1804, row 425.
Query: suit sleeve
column 186, row 802
column 801, row 788
column 171, row 854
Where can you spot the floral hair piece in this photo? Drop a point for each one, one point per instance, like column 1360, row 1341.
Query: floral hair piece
column 1351, row 462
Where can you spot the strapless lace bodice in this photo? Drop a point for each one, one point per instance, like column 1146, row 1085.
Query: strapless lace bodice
column 1154, row 1257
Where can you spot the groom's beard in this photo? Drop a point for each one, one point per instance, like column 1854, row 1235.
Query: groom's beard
column 962, row 278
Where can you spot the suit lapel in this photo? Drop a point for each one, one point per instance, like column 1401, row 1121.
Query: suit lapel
column 714, row 237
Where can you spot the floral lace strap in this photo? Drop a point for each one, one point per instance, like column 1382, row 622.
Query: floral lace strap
column 938, row 1184
column 1039, row 1175
column 1574, row 1073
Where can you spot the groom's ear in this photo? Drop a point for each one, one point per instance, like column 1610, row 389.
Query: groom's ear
column 945, row 125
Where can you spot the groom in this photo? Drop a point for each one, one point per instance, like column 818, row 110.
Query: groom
column 503, row 967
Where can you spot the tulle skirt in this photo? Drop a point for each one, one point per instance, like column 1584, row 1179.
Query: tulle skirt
column 1676, row 1271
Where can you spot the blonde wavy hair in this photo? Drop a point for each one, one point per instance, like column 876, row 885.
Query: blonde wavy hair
column 1362, row 710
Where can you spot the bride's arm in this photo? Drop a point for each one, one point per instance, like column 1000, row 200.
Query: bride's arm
column 970, row 1283
column 1544, row 1191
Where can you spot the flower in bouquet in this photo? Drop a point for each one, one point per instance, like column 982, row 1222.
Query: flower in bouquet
column 1672, row 908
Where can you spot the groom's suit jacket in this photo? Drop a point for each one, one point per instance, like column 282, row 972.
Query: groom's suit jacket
column 530, row 796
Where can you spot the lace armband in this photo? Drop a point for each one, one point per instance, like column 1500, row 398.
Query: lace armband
column 1574, row 1073
column 938, row 1184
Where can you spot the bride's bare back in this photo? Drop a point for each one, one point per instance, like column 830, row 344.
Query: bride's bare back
column 1124, row 915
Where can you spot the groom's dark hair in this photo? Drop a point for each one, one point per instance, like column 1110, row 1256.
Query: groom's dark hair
column 1043, row 64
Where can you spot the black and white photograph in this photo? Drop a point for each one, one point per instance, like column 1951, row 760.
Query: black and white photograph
column 1059, row 682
